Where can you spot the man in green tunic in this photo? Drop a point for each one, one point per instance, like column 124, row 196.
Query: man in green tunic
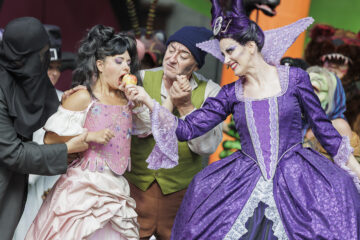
column 158, row 193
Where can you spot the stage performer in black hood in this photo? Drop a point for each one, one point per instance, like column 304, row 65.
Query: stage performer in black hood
column 27, row 99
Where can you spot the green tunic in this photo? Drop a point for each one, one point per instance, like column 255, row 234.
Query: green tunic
column 170, row 180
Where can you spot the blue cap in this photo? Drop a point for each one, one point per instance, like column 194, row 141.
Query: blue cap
column 189, row 36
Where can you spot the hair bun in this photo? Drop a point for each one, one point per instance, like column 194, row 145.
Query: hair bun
column 101, row 33
column 97, row 37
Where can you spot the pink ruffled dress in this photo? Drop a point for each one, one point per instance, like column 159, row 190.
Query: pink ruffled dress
column 92, row 200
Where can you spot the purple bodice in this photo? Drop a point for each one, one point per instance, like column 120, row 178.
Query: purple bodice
column 260, row 120
column 116, row 153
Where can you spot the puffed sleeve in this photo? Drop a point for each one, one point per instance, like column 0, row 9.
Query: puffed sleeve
column 336, row 145
column 28, row 157
column 214, row 111
column 66, row 123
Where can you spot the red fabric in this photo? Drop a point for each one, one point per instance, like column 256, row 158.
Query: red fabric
column 72, row 16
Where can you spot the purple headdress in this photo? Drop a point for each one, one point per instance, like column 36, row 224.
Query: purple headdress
column 276, row 42
column 228, row 23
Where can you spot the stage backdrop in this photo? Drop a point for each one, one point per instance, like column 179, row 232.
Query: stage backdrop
column 73, row 17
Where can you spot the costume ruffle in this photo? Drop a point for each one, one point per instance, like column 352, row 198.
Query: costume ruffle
column 165, row 152
column 342, row 157
column 83, row 202
column 263, row 192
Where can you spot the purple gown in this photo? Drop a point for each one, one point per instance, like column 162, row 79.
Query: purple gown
column 299, row 193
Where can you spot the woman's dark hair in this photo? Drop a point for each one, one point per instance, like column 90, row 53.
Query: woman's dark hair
column 235, row 24
column 252, row 32
column 101, row 42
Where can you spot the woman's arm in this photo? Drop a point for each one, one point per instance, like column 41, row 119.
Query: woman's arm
column 336, row 145
column 214, row 111
column 77, row 105
column 102, row 137
column 53, row 138
column 208, row 143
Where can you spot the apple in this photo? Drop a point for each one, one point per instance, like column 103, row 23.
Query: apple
column 129, row 79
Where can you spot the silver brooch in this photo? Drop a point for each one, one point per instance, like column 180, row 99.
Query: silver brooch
column 217, row 25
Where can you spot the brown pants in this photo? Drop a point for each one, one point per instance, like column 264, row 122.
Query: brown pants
column 156, row 211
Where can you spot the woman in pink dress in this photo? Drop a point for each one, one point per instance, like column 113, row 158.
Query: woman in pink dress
column 92, row 200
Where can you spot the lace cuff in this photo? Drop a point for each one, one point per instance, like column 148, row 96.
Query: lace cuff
column 342, row 157
column 165, row 152
column 343, row 152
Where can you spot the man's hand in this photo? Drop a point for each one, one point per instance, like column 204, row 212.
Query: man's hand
column 180, row 95
column 67, row 93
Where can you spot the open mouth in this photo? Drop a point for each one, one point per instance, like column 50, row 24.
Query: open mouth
column 121, row 78
column 335, row 57
column 266, row 9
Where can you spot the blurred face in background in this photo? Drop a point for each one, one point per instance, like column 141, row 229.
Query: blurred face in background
column 54, row 71
column 321, row 87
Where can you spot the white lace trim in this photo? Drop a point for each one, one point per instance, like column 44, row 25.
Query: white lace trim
column 283, row 73
column 342, row 157
column 274, row 135
column 249, row 113
column 263, row 192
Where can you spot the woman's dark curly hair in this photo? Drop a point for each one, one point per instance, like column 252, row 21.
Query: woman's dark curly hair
column 99, row 43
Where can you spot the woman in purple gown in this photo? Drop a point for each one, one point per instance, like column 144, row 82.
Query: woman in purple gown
column 273, row 188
